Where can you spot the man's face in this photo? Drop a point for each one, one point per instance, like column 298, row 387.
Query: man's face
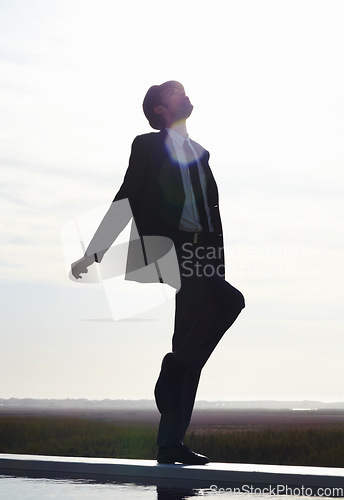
column 176, row 103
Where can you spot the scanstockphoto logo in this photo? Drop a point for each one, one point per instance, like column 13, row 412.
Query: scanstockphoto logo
column 281, row 490
column 280, row 261
column 136, row 274
column 198, row 261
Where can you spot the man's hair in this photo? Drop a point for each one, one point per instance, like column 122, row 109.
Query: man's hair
column 152, row 99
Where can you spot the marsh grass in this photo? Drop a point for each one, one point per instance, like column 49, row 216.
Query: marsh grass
column 96, row 438
column 323, row 448
column 75, row 437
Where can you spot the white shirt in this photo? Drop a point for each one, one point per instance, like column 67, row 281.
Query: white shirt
column 189, row 220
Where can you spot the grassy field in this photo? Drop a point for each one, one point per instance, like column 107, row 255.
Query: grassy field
column 94, row 438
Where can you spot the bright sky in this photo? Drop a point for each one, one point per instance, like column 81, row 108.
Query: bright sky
column 266, row 79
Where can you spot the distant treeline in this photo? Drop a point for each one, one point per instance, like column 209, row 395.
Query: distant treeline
column 150, row 404
column 93, row 438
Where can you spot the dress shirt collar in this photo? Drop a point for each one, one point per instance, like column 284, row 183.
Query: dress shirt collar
column 177, row 138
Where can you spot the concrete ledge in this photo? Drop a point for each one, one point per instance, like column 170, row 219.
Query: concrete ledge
column 149, row 472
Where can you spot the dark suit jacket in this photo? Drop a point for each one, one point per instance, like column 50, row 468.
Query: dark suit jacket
column 153, row 186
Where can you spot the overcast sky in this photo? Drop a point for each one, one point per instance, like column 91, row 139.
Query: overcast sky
column 266, row 78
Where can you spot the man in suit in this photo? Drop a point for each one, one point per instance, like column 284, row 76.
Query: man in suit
column 172, row 193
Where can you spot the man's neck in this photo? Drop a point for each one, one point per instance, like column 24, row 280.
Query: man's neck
column 179, row 127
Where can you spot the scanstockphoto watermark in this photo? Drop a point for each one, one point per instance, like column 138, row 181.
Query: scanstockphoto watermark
column 274, row 251
column 270, row 261
column 282, row 489
column 201, row 261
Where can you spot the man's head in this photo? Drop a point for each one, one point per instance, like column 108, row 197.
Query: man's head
column 166, row 104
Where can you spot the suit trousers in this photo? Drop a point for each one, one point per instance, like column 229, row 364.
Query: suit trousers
column 206, row 306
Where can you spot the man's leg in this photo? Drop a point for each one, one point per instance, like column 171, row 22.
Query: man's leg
column 176, row 387
column 219, row 308
column 201, row 320
column 175, row 403
column 206, row 306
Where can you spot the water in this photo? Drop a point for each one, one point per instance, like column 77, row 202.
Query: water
column 29, row 488
column 24, row 488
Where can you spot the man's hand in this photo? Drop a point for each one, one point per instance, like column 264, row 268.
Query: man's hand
column 80, row 266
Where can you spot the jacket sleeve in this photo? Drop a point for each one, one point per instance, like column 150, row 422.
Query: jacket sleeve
column 136, row 174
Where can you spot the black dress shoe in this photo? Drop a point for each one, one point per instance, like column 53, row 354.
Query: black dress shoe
column 179, row 453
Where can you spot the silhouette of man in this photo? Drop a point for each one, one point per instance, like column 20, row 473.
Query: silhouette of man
column 172, row 193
